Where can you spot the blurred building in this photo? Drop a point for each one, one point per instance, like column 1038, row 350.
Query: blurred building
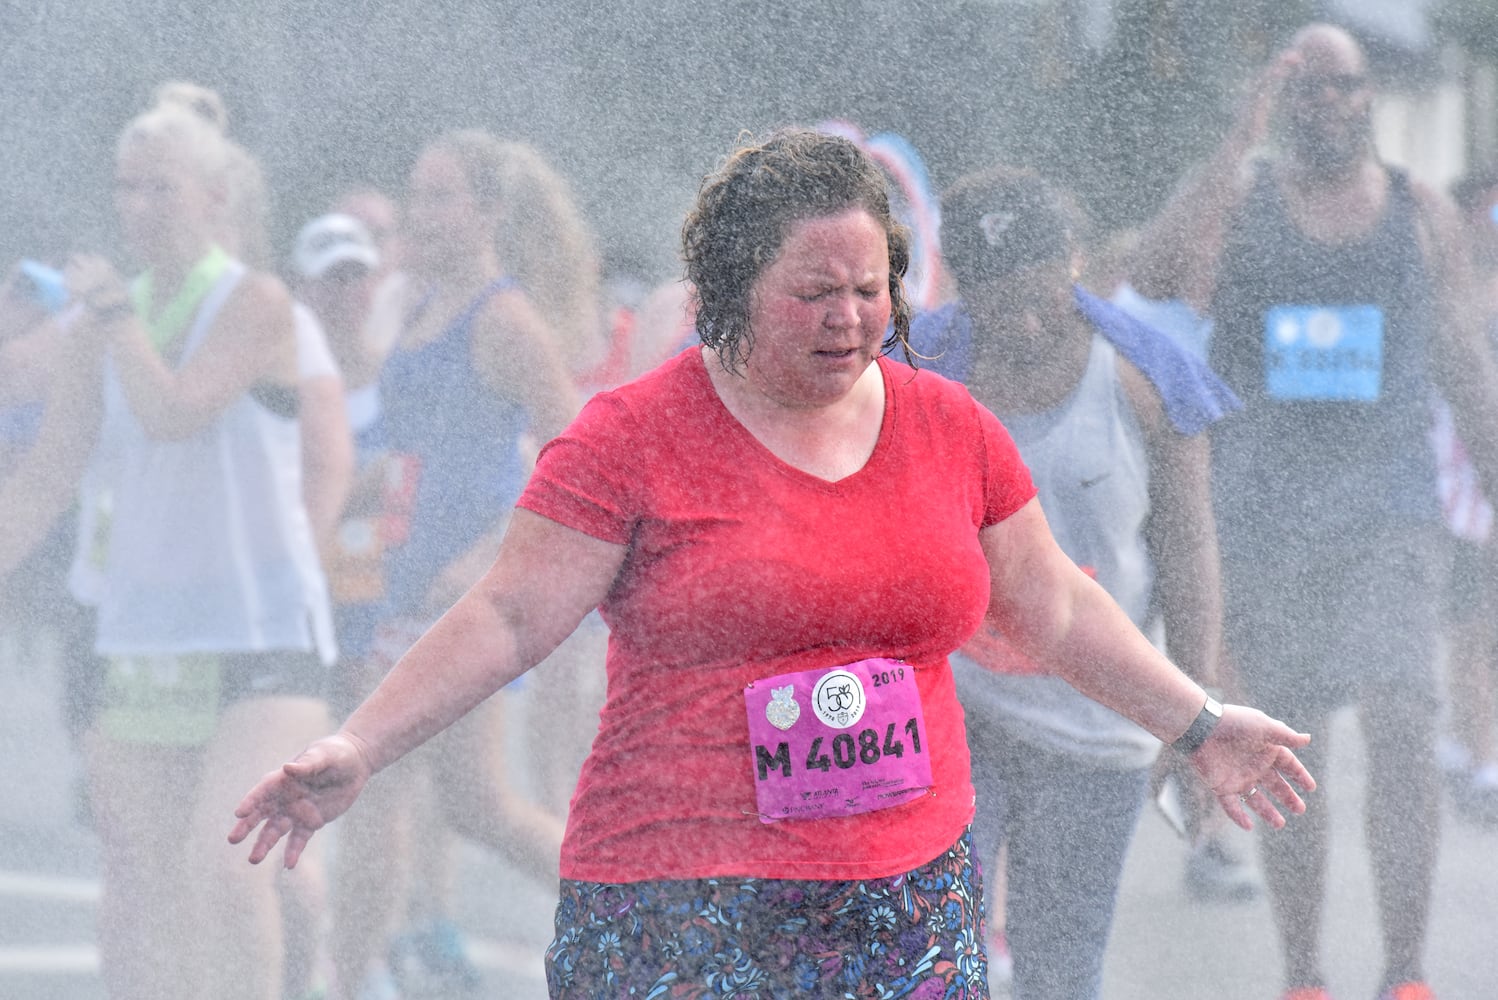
column 636, row 99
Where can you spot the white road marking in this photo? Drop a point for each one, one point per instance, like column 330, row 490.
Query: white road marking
column 53, row 960
column 505, row 958
column 56, row 888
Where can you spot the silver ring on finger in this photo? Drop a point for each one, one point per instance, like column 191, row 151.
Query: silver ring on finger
column 1250, row 793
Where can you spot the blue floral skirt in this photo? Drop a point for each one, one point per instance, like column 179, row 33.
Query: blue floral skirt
column 918, row 935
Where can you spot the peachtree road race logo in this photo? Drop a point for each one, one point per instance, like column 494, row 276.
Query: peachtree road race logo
column 782, row 711
column 839, row 699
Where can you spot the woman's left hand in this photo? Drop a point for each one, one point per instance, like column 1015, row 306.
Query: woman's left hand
column 93, row 281
column 1249, row 763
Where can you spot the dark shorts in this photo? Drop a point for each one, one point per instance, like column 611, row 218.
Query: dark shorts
column 1311, row 631
column 1067, row 824
column 917, row 935
column 243, row 676
column 280, row 674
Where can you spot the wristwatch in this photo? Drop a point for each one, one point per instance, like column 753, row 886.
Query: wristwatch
column 1201, row 727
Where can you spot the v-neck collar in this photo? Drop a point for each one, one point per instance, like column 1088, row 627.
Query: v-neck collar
column 698, row 368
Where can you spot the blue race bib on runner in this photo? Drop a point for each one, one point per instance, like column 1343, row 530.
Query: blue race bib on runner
column 1324, row 353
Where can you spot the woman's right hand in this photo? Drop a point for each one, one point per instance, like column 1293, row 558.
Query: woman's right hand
column 1249, row 763
column 92, row 280
column 303, row 796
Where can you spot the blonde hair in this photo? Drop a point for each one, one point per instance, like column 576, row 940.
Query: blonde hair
column 247, row 218
column 194, row 98
column 541, row 237
column 246, row 221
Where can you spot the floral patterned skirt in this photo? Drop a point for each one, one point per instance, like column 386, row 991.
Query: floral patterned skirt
column 918, row 935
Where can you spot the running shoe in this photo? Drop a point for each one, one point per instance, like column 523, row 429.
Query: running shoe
column 1306, row 993
column 1408, row 991
column 1000, row 961
column 1215, row 874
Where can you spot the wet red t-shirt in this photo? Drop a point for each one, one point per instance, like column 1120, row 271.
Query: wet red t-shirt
column 741, row 567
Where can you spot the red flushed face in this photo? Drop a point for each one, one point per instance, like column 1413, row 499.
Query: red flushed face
column 819, row 311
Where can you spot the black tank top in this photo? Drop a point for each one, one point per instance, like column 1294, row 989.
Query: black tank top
column 1327, row 346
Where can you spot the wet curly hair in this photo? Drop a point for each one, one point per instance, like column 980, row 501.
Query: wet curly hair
column 743, row 210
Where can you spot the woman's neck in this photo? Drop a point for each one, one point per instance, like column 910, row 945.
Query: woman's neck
column 830, row 441
column 444, row 293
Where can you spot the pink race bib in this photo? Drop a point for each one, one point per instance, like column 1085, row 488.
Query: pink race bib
column 837, row 742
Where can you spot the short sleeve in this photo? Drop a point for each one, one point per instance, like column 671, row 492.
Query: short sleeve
column 1007, row 485
column 579, row 481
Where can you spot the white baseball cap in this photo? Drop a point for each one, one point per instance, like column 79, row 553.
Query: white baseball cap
column 333, row 239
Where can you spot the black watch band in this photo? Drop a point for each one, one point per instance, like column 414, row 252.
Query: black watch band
column 1201, row 727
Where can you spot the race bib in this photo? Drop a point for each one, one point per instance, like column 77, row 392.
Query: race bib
column 837, row 742
column 1326, row 353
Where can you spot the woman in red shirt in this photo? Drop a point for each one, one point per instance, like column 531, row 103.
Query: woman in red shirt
column 787, row 534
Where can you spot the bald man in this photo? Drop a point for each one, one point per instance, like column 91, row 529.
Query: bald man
column 1342, row 304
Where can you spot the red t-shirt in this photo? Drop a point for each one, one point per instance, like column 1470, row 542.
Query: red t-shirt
column 741, row 567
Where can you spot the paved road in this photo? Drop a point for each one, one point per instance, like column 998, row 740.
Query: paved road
column 1164, row 947
column 49, row 864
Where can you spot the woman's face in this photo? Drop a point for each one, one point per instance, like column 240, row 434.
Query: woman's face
column 819, row 311
column 167, row 209
column 443, row 220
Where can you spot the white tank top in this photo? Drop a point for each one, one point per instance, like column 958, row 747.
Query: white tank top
column 1088, row 460
column 314, row 358
column 209, row 545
